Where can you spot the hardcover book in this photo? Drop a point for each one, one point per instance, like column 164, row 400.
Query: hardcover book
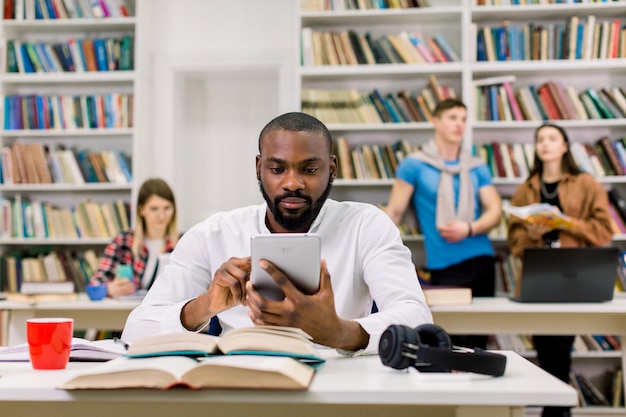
column 437, row 295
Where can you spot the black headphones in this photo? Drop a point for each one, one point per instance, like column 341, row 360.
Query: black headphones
column 428, row 348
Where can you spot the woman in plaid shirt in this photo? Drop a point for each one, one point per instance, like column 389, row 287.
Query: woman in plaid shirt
column 156, row 233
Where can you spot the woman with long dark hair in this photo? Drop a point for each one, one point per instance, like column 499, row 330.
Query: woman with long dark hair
column 556, row 179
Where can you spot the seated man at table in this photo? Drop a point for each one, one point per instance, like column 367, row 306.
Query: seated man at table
column 364, row 258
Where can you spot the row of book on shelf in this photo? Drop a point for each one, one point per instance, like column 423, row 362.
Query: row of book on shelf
column 535, row 2
column 66, row 9
column 572, row 39
column 374, row 107
column 605, row 391
column 49, row 272
column 371, row 161
column 496, row 100
column 590, row 394
column 74, row 55
column 37, row 163
column 323, row 5
column 349, row 47
column 24, row 219
column 583, row 343
column 65, row 112
column 602, row 157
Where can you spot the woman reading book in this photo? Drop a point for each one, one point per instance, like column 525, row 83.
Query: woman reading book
column 138, row 250
column 556, row 179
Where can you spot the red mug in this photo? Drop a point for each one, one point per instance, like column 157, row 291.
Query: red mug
column 49, row 342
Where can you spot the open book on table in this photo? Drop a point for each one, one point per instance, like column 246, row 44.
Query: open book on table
column 163, row 372
column 82, row 350
column 541, row 213
column 258, row 340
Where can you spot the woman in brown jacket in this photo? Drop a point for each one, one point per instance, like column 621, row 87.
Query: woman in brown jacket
column 556, row 179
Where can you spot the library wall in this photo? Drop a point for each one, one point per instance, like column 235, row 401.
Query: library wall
column 233, row 66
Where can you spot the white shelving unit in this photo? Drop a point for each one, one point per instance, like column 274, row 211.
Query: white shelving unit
column 67, row 83
column 458, row 21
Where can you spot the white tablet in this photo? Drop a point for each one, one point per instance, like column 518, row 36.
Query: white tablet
column 298, row 255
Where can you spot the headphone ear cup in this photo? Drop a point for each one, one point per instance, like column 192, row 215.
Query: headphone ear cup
column 435, row 337
column 392, row 347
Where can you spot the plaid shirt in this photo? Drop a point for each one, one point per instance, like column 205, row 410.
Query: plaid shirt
column 119, row 252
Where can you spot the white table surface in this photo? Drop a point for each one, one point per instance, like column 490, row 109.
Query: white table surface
column 343, row 387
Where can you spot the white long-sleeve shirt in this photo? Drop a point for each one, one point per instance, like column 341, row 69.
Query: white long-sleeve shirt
column 364, row 253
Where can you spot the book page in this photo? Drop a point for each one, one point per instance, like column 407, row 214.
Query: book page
column 153, row 372
column 169, row 343
column 542, row 214
column 243, row 371
column 279, row 330
column 81, row 350
column 265, row 342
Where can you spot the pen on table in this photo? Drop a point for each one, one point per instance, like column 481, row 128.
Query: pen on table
column 120, row 342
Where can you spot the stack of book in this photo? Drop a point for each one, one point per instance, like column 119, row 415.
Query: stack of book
column 261, row 357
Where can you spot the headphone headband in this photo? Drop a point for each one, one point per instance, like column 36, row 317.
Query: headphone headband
column 479, row 362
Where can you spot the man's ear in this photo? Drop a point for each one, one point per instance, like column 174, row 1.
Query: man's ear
column 333, row 168
column 258, row 167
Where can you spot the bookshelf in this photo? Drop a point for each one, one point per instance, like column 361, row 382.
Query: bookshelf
column 67, row 106
column 459, row 22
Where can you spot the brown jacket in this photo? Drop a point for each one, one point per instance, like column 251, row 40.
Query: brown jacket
column 582, row 198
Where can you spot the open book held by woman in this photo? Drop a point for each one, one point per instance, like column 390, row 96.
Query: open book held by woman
column 542, row 214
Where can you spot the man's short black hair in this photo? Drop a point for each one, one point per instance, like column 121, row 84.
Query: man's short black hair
column 297, row 122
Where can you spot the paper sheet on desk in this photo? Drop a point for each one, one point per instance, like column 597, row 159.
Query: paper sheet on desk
column 445, row 377
column 82, row 350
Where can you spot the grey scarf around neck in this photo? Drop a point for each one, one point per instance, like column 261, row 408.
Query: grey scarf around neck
column 445, row 191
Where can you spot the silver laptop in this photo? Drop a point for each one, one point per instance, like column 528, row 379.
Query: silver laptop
column 569, row 275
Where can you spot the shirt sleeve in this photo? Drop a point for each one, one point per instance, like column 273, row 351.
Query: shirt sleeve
column 484, row 175
column 392, row 280
column 408, row 170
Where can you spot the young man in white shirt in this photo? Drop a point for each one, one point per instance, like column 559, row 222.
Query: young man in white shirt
column 364, row 258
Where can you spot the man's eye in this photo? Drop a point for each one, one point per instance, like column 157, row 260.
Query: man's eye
column 311, row 170
column 276, row 170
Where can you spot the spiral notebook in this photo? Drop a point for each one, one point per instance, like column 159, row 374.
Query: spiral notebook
column 568, row 275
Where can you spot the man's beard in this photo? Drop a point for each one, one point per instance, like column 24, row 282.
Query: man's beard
column 293, row 223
